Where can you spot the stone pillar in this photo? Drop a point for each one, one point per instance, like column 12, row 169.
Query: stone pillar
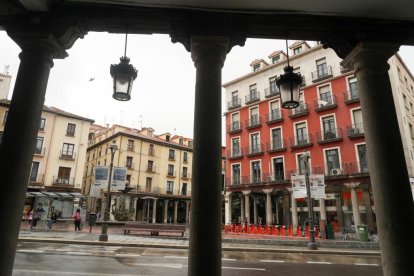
column 175, row 210
column 322, row 209
column 242, row 212
column 385, row 155
column 277, row 210
column 154, row 210
column 294, row 213
column 339, row 212
column 286, row 208
column 165, row 216
column 208, row 54
column 255, row 210
column 269, row 215
column 113, row 204
column 135, row 208
column 227, row 208
column 187, row 211
column 355, row 204
column 247, row 205
column 368, row 210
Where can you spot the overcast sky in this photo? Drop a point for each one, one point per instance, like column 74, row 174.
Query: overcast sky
column 163, row 93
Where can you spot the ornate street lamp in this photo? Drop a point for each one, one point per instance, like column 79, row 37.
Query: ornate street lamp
column 104, row 231
column 289, row 85
column 123, row 75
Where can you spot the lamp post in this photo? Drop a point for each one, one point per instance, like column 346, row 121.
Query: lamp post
column 311, row 244
column 104, row 232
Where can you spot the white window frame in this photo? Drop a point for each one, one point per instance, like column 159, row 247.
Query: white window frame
column 297, row 161
column 251, row 171
column 250, row 140
column 271, row 172
column 325, row 116
column 270, row 135
column 231, row 172
column 357, row 155
column 323, row 85
column 295, row 132
column 231, row 146
column 326, row 163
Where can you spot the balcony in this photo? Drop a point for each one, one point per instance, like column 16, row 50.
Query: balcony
column 274, row 177
column 171, row 157
column 356, row 168
column 40, row 152
column 301, row 141
column 151, row 152
column 150, row 169
column 36, row 180
column 254, row 96
column 322, row 74
column 355, row 130
column 65, row 155
column 234, row 153
column 233, row 182
column 301, row 110
column 234, row 103
column 351, row 96
column 325, row 103
column 234, row 127
column 327, row 136
column 131, row 148
column 168, row 191
column 255, row 150
column 185, row 176
column 253, row 122
column 171, row 173
column 272, row 91
column 276, row 146
column 64, row 181
column 129, row 165
column 274, row 116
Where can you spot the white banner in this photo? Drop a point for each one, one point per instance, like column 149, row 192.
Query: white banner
column 299, row 186
column 118, row 178
column 95, row 191
column 317, row 182
column 101, row 176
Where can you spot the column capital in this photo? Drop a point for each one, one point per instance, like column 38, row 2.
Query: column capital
column 352, row 185
column 209, row 49
column 267, row 191
column 246, row 192
column 176, row 202
column 372, row 57
column 155, row 199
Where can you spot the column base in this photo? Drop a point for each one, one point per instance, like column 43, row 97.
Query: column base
column 312, row 246
column 103, row 237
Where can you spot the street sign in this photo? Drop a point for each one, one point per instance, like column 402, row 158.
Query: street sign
column 317, row 186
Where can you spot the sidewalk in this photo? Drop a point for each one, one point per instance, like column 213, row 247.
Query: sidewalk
column 64, row 233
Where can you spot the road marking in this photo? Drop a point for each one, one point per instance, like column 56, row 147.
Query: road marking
column 227, row 259
column 309, row 262
column 78, row 253
column 272, row 261
column 54, row 272
column 243, row 268
column 178, row 266
column 176, row 257
column 30, row 251
column 366, row 264
column 127, row 255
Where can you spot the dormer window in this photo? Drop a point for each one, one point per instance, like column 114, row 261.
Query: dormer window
column 275, row 59
column 167, row 137
column 256, row 67
column 297, row 50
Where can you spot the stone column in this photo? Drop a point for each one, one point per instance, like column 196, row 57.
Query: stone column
column 135, row 208
column 294, row 213
column 154, row 210
column 277, row 210
column 368, row 209
column 339, row 212
column 242, row 212
column 355, row 204
column 393, row 205
column 208, row 54
column 269, row 215
column 175, row 210
column 247, row 205
column 187, row 211
column 286, row 208
column 166, row 210
column 227, row 208
column 322, row 212
column 255, row 210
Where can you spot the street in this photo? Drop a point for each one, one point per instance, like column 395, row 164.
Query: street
column 91, row 260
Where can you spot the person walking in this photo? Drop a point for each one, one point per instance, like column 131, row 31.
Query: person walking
column 78, row 219
column 37, row 215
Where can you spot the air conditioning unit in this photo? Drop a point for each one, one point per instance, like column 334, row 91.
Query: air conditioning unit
column 293, row 174
column 353, row 131
column 271, row 178
column 336, row 171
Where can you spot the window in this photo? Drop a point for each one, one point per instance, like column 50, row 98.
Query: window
column 235, row 121
column 301, row 134
column 358, row 123
column 328, row 124
column 34, row 172
column 273, row 85
column 185, row 156
column 63, row 175
column 353, row 88
column 274, row 111
column 297, row 50
column 181, row 141
column 235, row 147
column 256, row 67
column 171, row 170
column 234, row 98
column 167, row 137
column 185, row 174
column 276, row 138
column 128, row 162
column 67, row 150
column 171, row 154
column 256, row 172
column 235, row 174
column 411, row 130
column 332, row 161
column 253, row 92
column 70, row 130
column 151, row 150
column 325, row 97
column 148, row 184
column 130, row 145
column 362, row 157
column 170, row 187
column 254, row 116
column 321, row 68
column 39, row 145
column 301, row 164
column 150, row 166
column 128, row 179
column 42, row 124
column 190, row 144
column 275, row 59
column 255, row 143
column 1, row 135
column 278, row 168
column 184, row 189
column 5, row 116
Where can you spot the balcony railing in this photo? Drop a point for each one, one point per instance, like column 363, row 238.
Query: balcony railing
column 151, row 169
column 185, row 175
column 272, row 91
column 331, row 135
column 301, row 110
column 67, row 155
column 301, row 141
column 356, row 168
column 351, row 96
column 151, row 152
column 171, row 173
column 277, row 145
column 40, row 151
column 255, row 149
column 254, row 121
column 355, row 130
column 234, row 153
column 322, row 73
column 274, row 116
column 234, row 103
column 129, row 165
column 325, row 103
column 37, row 179
column 130, row 148
column 276, row 176
column 165, row 191
column 63, row 180
column 234, row 127
column 254, row 96
column 171, row 157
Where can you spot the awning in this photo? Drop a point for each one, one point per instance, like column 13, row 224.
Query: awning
column 50, row 194
column 37, row 194
column 77, row 195
column 64, row 194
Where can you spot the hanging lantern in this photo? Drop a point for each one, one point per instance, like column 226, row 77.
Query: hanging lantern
column 123, row 75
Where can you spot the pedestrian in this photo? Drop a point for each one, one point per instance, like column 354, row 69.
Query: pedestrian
column 78, row 219
column 53, row 219
column 37, row 215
